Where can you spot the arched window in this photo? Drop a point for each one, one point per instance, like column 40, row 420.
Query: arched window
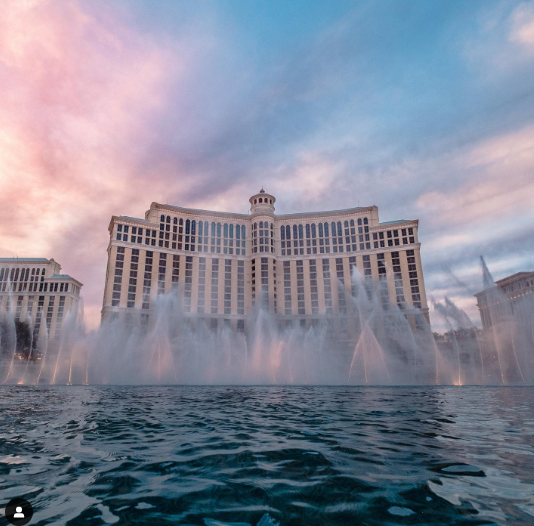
column 162, row 219
column 359, row 221
column 313, row 231
column 333, row 229
column 346, row 224
column 206, row 228
column 295, row 232
column 188, row 227
column 255, row 201
column 213, row 229
column 175, row 221
column 238, row 231
column 218, row 229
column 33, row 273
column 308, row 231
column 200, row 228
column 16, row 275
column 2, row 274
column 168, row 219
column 12, row 276
column 231, row 231
column 270, row 201
column 365, row 221
column 326, row 234
column 283, row 233
column 193, row 227
column 27, row 274
column 261, row 200
column 321, row 234
column 288, row 232
column 301, row 232
column 339, row 229
column 181, row 221
column 352, row 222
column 261, row 224
column 225, row 230
column 243, row 232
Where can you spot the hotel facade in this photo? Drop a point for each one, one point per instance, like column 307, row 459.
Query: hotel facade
column 33, row 290
column 298, row 266
column 510, row 296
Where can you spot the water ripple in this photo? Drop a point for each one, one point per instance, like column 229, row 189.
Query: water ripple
column 257, row 455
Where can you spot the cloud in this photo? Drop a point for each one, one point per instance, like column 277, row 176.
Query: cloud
column 522, row 21
column 76, row 94
column 103, row 112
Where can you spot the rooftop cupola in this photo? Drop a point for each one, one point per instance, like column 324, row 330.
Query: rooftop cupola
column 262, row 203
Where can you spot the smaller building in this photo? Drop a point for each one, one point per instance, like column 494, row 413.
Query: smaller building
column 511, row 296
column 507, row 313
column 33, row 290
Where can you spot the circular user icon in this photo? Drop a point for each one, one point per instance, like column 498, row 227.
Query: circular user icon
column 19, row 512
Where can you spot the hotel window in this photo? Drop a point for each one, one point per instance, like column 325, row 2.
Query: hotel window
column 175, row 271
column 240, row 288
column 341, row 279
column 288, row 240
column 161, row 272
column 188, row 283
column 201, row 306
column 367, row 265
column 300, row 287
column 287, row 287
column 214, row 286
column 227, row 286
column 381, row 263
column 353, row 268
column 313, row 287
column 327, row 286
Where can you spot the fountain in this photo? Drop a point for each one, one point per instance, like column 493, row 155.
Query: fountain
column 372, row 343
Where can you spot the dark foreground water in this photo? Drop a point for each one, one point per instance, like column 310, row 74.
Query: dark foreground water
column 247, row 455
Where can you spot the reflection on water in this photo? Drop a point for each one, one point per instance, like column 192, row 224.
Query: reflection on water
column 249, row 455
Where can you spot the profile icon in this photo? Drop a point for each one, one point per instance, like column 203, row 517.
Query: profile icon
column 18, row 512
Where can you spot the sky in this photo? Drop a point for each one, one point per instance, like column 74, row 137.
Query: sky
column 425, row 109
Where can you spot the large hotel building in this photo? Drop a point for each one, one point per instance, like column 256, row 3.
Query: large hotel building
column 297, row 265
column 33, row 290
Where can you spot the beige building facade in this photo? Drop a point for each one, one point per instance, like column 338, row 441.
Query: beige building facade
column 221, row 264
column 511, row 296
column 33, row 290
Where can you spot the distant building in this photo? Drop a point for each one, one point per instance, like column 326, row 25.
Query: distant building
column 222, row 263
column 510, row 296
column 507, row 313
column 35, row 291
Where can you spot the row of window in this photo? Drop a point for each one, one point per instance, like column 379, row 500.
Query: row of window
column 35, row 323
column 322, row 238
column 36, row 287
column 21, row 274
column 381, row 267
column 265, row 200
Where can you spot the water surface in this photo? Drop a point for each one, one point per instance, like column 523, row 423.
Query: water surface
column 301, row 455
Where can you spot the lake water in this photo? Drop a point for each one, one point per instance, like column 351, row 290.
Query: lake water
column 247, row 455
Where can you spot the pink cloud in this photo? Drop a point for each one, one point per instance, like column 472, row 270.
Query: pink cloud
column 76, row 93
column 501, row 185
